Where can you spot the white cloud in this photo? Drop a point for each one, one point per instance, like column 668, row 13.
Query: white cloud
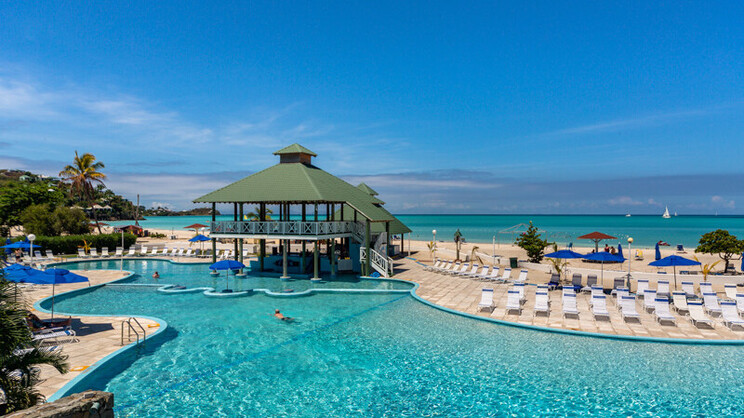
column 624, row 201
column 719, row 201
column 161, row 205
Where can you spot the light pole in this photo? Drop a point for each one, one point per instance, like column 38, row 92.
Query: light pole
column 630, row 257
column 493, row 250
column 31, row 238
column 434, row 244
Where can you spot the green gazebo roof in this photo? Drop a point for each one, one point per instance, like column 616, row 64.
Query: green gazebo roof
column 396, row 226
column 298, row 183
column 295, row 149
column 370, row 191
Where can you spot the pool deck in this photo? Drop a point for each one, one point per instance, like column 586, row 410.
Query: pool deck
column 98, row 336
column 464, row 294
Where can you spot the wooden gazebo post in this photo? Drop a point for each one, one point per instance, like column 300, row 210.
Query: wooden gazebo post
column 304, row 243
column 366, row 245
column 214, row 240
column 285, row 246
column 262, row 242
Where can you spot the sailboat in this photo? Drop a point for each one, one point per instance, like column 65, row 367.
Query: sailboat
column 666, row 213
column 627, row 215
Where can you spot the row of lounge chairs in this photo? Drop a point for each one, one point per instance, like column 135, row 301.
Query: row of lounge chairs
column 730, row 312
column 475, row 271
column 162, row 252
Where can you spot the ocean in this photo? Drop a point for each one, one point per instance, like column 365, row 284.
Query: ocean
column 646, row 230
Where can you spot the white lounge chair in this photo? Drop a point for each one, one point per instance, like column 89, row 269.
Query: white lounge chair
column 105, row 252
column 569, row 303
column 486, row 302
column 620, row 292
column 628, row 307
column 641, row 287
column 55, row 335
column 483, row 274
column 455, row 270
column 596, row 291
column 119, row 252
column 599, row 307
column 662, row 287
column 542, row 302
column 164, row 251
column 81, row 253
column 143, row 251
column 661, row 311
column 591, row 280
column 706, row 287
column 697, row 316
column 154, row 251
column 173, row 252
column 730, row 291
column 522, row 276
column 494, row 274
column 473, row 271
column 740, row 302
column 648, row 300
column 507, row 274
column 94, row 252
column 181, row 252
column 513, row 302
column 132, row 251
column 436, row 265
column 445, row 267
column 38, row 256
column 680, row 302
column 689, row 288
column 711, row 304
column 189, row 253
column 49, row 254
column 519, row 287
column 730, row 316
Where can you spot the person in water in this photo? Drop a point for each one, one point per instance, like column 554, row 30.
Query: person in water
column 281, row 316
column 155, row 275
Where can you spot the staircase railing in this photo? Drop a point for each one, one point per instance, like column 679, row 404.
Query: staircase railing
column 378, row 261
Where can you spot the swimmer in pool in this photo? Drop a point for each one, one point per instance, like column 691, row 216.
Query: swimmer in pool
column 281, row 316
column 155, row 275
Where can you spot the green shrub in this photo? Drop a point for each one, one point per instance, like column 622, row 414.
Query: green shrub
column 69, row 244
column 531, row 242
column 41, row 220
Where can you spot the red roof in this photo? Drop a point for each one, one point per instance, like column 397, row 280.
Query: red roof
column 597, row 236
column 195, row 226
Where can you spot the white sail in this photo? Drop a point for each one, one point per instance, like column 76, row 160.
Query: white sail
column 666, row 213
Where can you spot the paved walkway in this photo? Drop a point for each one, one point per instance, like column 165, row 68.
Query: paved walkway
column 97, row 336
column 464, row 294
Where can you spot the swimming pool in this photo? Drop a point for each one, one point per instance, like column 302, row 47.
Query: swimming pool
column 388, row 354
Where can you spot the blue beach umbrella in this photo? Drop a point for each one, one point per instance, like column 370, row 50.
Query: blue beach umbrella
column 565, row 254
column 59, row 276
column 658, row 252
column 227, row 265
column 199, row 238
column 620, row 250
column 21, row 274
column 23, row 245
column 674, row 261
column 603, row 256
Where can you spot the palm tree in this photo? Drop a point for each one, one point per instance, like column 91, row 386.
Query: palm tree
column 82, row 174
column 255, row 215
column 19, row 355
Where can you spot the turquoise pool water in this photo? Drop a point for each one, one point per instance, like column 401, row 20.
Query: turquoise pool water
column 197, row 275
column 390, row 355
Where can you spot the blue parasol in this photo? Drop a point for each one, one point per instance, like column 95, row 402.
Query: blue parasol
column 603, row 256
column 227, row 265
column 199, row 238
column 59, row 276
column 658, row 252
column 565, row 254
column 620, row 250
column 18, row 244
column 674, row 261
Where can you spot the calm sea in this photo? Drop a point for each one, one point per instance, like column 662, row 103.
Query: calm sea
column 645, row 230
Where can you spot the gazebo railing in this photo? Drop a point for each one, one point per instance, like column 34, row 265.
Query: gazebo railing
column 289, row 228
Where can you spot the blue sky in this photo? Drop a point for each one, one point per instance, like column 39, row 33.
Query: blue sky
column 444, row 107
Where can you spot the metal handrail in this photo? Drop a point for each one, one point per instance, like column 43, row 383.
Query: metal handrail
column 131, row 328
column 289, row 228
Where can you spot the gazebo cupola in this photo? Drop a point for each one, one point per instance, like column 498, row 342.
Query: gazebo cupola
column 295, row 153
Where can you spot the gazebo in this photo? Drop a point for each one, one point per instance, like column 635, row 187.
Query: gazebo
column 313, row 206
